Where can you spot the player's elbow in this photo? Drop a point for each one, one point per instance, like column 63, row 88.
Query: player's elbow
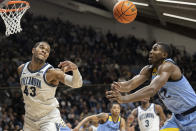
column 78, row 84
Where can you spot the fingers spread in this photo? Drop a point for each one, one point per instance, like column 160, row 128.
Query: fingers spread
column 64, row 63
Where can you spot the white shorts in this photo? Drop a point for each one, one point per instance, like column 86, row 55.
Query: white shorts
column 51, row 122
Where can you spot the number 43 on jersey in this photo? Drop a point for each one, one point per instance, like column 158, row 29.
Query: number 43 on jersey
column 30, row 91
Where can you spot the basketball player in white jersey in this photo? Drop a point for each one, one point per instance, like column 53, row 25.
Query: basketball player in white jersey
column 39, row 81
column 149, row 116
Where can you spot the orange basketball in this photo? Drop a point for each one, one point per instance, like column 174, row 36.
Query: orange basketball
column 125, row 11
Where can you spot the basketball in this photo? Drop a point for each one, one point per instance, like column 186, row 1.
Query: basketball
column 125, row 11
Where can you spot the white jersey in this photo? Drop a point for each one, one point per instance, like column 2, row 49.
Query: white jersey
column 94, row 127
column 39, row 96
column 148, row 119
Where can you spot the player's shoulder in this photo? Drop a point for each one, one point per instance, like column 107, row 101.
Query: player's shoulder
column 122, row 121
column 167, row 66
column 122, row 118
column 157, row 107
column 135, row 111
column 20, row 68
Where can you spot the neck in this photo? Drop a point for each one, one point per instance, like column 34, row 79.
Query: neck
column 36, row 64
column 115, row 118
column 156, row 65
column 146, row 105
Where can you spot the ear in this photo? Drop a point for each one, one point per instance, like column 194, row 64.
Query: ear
column 165, row 55
column 33, row 50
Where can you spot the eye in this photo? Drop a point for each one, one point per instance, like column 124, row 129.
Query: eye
column 41, row 47
column 155, row 48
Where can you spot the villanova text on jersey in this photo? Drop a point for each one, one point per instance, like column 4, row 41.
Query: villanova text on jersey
column 31, row 81
column 146, row 116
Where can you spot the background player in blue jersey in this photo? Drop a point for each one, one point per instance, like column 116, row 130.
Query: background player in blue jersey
column 107, row 121
column 168, row 81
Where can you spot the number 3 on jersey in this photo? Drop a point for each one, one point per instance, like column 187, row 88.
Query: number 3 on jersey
column 147, row 123
column 33, row 91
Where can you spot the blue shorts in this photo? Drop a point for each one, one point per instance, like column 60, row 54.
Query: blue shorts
column 181, row 123
column 64, row 129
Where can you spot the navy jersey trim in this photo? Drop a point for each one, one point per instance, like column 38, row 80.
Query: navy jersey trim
column 113, row 120
column 44, row 76
column 170, row 60
column 137, row 112
column 175, row 80
column 155, row 110
column 36, row 70
column 120, row 121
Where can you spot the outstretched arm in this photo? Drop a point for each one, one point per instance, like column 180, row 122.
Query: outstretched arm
column 161, row 114
column 54, row 76
column 164, row 73
column 135, row 82
column 101, row 116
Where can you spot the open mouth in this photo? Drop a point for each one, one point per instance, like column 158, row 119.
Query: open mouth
column 42, row 55
column 150, row 57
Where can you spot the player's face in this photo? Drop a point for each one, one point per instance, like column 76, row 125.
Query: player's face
column 145, row 101
column 115, row 110
column 156, row 54
column 42, row 51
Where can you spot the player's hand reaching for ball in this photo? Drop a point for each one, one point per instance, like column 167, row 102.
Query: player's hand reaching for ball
column 114, row 95
column 118, row 86
column 67, row 66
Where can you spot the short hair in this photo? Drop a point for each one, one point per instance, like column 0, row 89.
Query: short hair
column 37, row 43
column 113, row 103
column 166, row 48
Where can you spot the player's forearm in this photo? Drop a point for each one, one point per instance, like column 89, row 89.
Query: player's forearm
column 77, row 79
column 74, row 81
column 162, row 120
column 139, row 95
column 127, row 86
column 83, row 122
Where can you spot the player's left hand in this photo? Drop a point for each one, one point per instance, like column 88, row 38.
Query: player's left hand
column 67, row 66
column 114, row 95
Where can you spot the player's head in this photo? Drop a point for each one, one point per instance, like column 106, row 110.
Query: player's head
column 159, row 52
column 115, row 108
column 41, row 51
column 145, row 101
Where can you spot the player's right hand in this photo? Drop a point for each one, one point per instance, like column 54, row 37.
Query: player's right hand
column 118, row 86
column 67, row 66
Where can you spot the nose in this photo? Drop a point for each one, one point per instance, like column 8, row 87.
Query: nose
column 44, row 51
column 151, row 52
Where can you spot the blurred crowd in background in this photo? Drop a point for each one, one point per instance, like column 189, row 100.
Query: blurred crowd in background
column 101, row 58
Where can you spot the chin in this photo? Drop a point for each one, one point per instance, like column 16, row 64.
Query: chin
column 40, row 60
